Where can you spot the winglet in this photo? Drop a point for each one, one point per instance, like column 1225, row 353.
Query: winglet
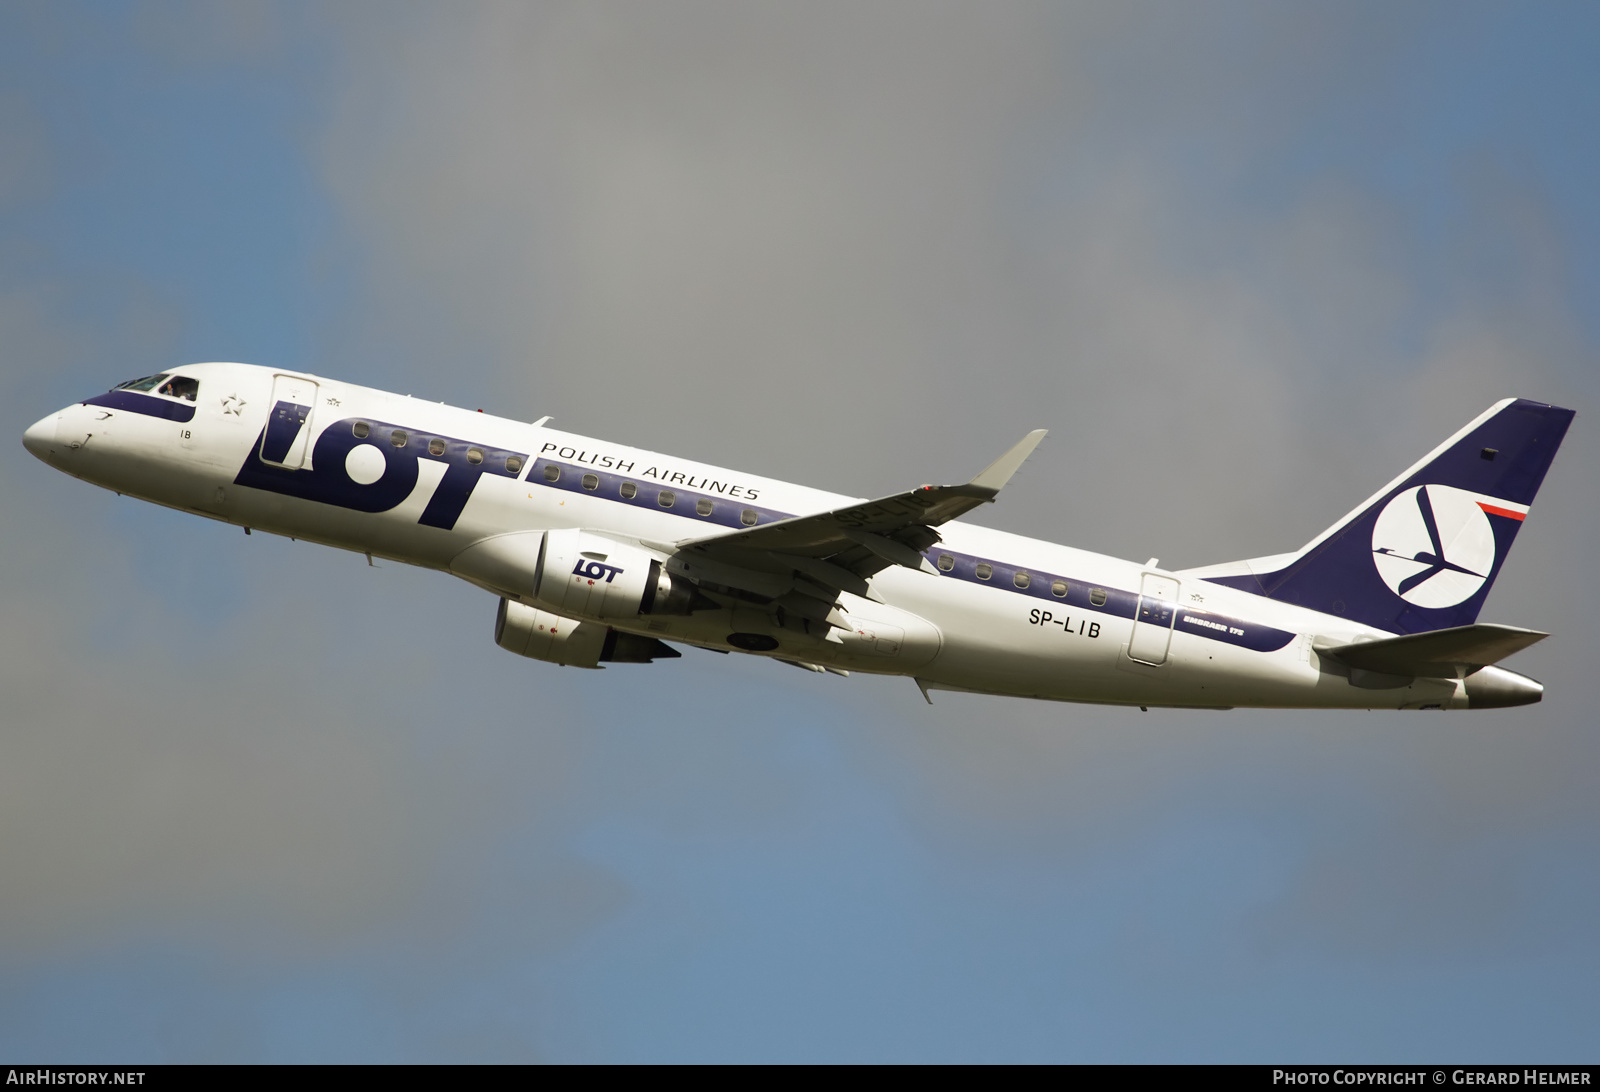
column 995, row 476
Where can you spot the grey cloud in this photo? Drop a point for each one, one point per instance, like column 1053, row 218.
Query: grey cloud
column 26, row 157
column 866, row 247
column 211, row 34
column 870, row 248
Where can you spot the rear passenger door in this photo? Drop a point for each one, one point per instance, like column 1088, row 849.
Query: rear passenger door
column 1152, row 625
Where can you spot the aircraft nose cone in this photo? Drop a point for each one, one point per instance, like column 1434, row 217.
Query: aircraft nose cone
column 41, row 436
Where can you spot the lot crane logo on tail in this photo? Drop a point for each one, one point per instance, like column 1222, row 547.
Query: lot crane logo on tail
column 1433, row 545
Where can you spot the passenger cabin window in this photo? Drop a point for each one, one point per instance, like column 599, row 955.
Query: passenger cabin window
column 398, row 437
column 702, row 507
column 1059, row 589
column 591, row 482
column 1097, row 596
column 666, row 498
column 552, row 472
column 628, row 490
column 435, row 446
column 361, row 430
column 748, row 517
column 984, row 570
column 148, row 383
column 1021, row 580
column 475, row 455
column 513, row 464
column 181, row 386
column 946, row 563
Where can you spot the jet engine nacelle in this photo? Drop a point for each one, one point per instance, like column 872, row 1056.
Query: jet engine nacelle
column 540, row 635
column 585, row 574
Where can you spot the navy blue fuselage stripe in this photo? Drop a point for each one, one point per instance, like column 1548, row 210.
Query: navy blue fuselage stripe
column 1125, row 604
column 147, row 404
column 725, row 511
column 1233, row 631
column 1122, row 604
column 1118, row 602
column 327, row 481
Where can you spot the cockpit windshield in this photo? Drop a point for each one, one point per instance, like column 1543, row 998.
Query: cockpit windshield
column 147, row 383
column 181, row 386
column 173, row 386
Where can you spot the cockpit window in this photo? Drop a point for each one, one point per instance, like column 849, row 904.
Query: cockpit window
column 181, row 386
column 147, row 383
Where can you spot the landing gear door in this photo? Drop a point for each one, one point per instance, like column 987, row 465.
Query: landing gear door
column 1152, row 626
column 288, row 430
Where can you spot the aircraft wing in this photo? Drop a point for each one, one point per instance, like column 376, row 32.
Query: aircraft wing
column 842, row 547
column 1441, row 653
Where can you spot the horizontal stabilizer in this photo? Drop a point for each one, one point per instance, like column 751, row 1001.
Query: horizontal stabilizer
column 1438, row 654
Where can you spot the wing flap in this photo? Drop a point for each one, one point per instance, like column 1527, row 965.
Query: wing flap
column 896, row 553
column 830, row 575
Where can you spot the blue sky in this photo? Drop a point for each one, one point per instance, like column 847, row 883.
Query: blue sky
column 259, row 802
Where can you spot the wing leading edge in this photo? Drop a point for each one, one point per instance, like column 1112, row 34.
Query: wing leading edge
column 842, row 547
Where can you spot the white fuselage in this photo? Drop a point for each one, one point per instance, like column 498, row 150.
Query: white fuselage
column 1215, row 646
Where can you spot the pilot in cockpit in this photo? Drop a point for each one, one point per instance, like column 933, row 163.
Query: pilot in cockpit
column 181, row 386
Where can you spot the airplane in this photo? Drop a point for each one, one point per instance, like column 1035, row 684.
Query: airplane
column 601, row 553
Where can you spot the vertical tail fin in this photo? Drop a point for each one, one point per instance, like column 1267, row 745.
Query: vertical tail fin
column 1423, row 552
